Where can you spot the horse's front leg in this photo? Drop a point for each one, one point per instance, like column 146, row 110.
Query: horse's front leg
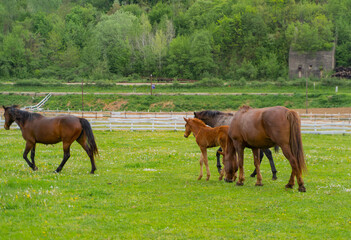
column 268, row 154
column 218, row 155
column 29, row 146
column 205, row 159
column 32, row 155
column 201, row 164
column 241, row 179
column 257, row 163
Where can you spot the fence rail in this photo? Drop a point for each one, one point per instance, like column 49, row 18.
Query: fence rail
column 146, row 121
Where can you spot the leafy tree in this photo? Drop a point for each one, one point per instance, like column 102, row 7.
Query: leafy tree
column 201, row 58
column 178, row 58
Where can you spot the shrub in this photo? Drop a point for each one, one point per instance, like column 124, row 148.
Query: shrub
column 210, row 82
column 29, row 83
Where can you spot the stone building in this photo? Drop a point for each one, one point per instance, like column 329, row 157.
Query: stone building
column 311, row 64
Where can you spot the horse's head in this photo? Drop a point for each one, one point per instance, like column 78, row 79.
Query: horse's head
column 9, row 116
column 187, row 128
column 230, row 162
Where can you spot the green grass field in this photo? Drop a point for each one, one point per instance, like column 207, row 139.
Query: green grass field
column 146, row 188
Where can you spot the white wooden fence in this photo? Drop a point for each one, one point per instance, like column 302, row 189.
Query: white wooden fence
column 146, row 121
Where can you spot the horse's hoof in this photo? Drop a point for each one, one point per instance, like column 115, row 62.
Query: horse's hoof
column 228, row 180
column 289, row 186
column 274, row 178
column 259, row 184
column 239, row 183
column 220, row 178
column 35, row 168
column 207, row 178
column 253, row 175
column 302, row 189
column 199, row 178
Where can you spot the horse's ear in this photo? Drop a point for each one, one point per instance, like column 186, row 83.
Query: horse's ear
column 185, row 119
column 3, row 107
column 195, row 114
column 15, row 106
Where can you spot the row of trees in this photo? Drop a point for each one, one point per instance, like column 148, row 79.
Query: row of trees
column 105, row 39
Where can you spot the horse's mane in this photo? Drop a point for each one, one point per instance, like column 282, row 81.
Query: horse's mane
column 198, row 121
column 211, row 114
column 23, row 116
column 245, row 108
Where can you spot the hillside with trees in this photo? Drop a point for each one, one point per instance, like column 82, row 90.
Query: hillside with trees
column 191, row 39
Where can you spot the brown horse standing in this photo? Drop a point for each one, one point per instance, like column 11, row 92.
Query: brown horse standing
column 265, row 128
column 206, row 137
column 39, row 129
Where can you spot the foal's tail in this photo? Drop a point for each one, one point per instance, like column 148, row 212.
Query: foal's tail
column 295, row 140
column 87, row 130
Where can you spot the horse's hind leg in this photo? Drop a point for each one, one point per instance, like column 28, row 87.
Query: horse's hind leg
column 29, row 147
column 66, row 155
column 82, row 142
column 294, row 172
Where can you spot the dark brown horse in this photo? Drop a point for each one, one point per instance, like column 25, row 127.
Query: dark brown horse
column 265, row 128
column 206, row 137
column 39, row 129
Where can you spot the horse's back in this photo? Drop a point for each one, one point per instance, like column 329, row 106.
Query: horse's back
column 262, row 127
column 56, row 129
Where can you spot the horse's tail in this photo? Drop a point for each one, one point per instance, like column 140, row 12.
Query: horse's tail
column 295, row 140
column 87, row 130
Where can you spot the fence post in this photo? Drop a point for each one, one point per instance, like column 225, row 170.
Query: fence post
column 110, row 127
column 153, row 124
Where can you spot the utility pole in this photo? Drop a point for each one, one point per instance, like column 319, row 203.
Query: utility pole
column 82, row 99
column 151, row 84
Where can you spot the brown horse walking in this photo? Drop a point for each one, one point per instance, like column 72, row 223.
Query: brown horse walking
column 39, row 129
column 206, row 137
column 265, row 128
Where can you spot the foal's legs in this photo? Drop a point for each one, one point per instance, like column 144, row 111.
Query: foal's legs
column 83, row 143
column 205, row 160
column 29, row 147
column 201, row 161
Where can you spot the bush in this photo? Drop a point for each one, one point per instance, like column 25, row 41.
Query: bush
column 104, row 84
column 210, row 82
column 29, row 83
column 247, row 70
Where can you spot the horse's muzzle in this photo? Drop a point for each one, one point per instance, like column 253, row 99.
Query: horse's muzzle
column 6, row 127
column 228, row 180
column 186, row 136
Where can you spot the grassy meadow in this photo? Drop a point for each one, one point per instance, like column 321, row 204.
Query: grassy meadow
column 146, row 188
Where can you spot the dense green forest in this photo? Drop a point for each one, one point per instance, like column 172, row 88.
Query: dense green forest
column 192, row 39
